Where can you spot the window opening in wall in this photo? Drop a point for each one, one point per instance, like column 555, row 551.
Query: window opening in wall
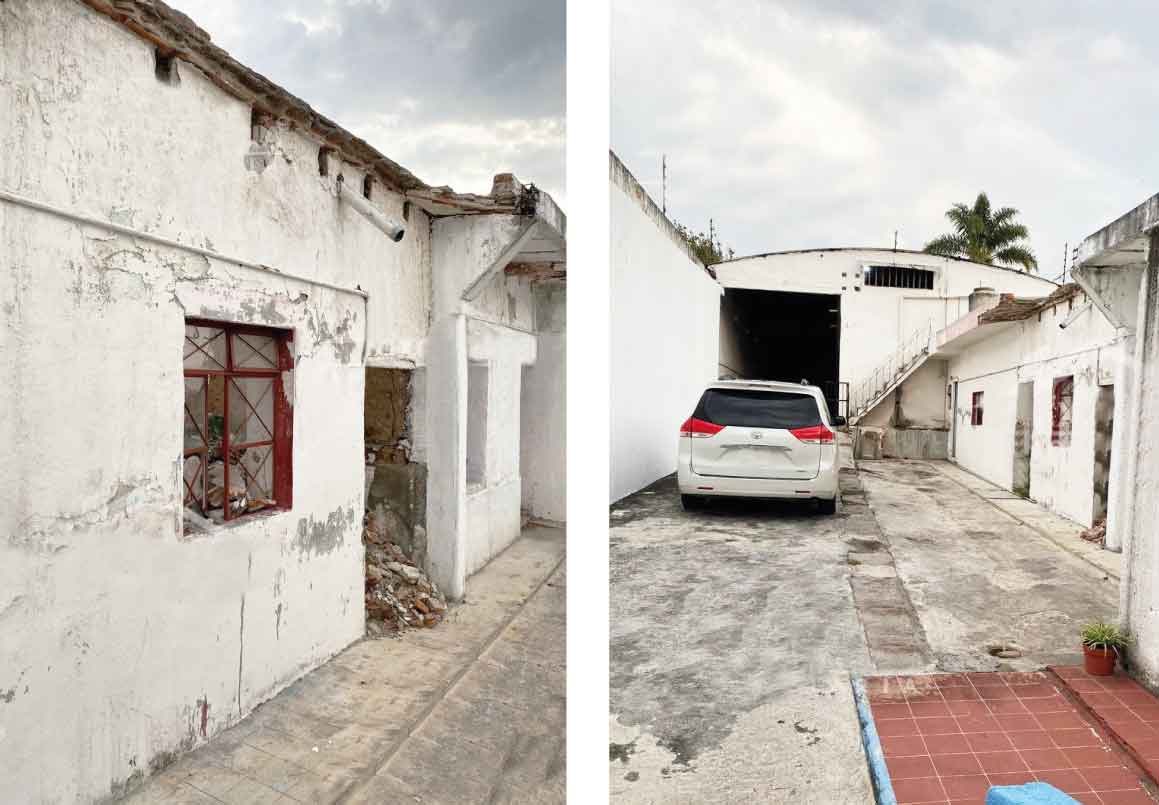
column 238, row 421
column 367, row 184
column 899, row 277
column 1062, row 404
column 477, row 394
column 324, row 160
column 260, row 124
column 976, row 408
column 165, row 66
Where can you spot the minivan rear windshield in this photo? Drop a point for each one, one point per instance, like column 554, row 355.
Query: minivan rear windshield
column 752, row 408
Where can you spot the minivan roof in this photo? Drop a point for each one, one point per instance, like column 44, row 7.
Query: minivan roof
column 771, row 385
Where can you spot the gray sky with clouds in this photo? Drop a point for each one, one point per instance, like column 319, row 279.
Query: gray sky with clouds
column 810, row 123
column 454, row 90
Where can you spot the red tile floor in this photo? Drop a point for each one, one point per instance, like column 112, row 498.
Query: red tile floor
column 1124, row 708
column 948, row 737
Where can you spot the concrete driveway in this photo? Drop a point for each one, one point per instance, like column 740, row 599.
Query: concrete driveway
column 735, row 629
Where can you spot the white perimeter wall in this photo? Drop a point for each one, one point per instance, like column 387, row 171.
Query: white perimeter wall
column 875, row 320
column 664, row 336
column 1061, row 477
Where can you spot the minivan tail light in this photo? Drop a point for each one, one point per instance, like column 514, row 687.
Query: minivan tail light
column 699, row 428
column 815, row 434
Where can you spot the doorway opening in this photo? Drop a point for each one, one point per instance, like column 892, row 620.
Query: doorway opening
column 782, row 335
column 1023, row 433
column 1104, row 428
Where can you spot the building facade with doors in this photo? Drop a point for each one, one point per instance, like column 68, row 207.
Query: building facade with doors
column 221, row 315
column 1028, row 386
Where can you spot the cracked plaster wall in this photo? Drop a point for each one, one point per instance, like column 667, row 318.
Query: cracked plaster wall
column 93, row 130
column 125, row 642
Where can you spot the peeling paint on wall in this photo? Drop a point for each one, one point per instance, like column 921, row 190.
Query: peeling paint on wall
column 316, row 537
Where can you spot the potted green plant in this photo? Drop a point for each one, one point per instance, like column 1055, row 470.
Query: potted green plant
column 1102, row 644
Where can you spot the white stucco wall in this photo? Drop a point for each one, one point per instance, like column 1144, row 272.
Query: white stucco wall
column 81, row 92
column 119, row 633
column 664, row 333
column 1139, row 596
column 117, row 629
column 543, row 408
column 498, row 331
column 1061, row 477
column 875, row 320
column 923, row 402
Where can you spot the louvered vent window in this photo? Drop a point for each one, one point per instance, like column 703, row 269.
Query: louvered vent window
column 899, row 277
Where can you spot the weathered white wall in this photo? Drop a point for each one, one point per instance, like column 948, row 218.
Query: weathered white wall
column 493, row 507
column 1139, row 597
column 664, row 331
column 114, row 625
column 120, row 634
column 497, row 330
column 875, row 320
column 81, row 91
column 1061, row 477
column 543, row 409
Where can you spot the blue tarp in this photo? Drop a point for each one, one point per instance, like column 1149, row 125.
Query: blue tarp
column 1028, row 794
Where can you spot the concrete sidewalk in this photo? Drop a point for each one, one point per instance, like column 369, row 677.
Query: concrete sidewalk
column 470, row 711
column 1062, row 532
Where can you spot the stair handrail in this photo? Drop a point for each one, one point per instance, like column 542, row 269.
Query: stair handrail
column 883, row 376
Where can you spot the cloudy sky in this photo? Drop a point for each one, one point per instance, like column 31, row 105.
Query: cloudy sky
column 455, row 91
column 810, row 123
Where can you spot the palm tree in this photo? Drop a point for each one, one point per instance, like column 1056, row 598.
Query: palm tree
column 985, row 236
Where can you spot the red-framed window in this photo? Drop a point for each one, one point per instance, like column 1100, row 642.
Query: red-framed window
column 239, row 427
column 976, row 408
column 1061, row 408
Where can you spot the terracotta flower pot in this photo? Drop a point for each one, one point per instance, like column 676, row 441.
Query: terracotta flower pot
column 1099, row 662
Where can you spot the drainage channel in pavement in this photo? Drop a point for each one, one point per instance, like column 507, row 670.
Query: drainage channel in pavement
column 893, row 633
column 947, row 738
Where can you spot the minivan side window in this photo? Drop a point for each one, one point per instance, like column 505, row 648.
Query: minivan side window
column 755, row 408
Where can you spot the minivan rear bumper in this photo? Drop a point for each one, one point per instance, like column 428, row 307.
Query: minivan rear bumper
column 823, row 486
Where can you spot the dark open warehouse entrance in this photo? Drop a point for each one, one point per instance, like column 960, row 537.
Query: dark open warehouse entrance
column 780, row 335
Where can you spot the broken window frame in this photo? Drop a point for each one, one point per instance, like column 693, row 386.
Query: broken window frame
column 281, row 431
column 1062, row 410
column 976, row 408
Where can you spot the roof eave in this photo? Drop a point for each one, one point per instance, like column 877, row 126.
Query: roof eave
column 1124, row 241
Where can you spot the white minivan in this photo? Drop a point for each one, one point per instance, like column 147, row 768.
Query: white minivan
column 761, row 439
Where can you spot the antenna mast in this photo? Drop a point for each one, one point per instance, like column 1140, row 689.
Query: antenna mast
column 664, row 183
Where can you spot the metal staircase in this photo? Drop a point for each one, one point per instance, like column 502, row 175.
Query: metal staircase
column 891, row 373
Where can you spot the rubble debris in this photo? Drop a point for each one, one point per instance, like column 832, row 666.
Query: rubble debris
column 398, row 593
column 1097, row 533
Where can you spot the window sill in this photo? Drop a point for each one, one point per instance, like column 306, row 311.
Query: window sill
column 191, row 530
